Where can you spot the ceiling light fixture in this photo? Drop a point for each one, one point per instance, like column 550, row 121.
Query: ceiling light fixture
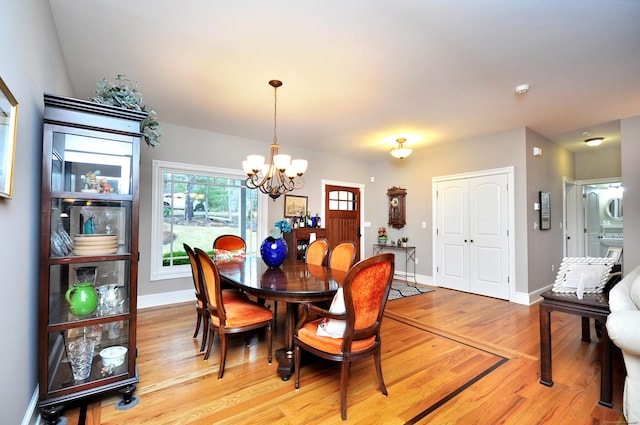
column 400, row 151
column 595, row 141
column 281, row 175
column 522, row 88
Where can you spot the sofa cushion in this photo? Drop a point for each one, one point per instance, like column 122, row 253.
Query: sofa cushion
column 634, row 291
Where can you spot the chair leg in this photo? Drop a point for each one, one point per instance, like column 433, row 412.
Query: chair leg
column 344, row 375
column 296, row 364
column 205, row 331
column 195, row 334
column 223, row 353
column 212, row 333
column 378, row 362
column 269, row 342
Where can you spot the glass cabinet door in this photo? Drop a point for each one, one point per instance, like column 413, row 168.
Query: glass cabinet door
column 89, row 164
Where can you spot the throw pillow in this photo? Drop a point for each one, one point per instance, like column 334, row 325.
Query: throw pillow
column 332, row 327
column 223, row 255
column 583, row 275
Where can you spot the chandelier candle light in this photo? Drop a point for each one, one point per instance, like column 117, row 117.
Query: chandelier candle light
column 281, row 175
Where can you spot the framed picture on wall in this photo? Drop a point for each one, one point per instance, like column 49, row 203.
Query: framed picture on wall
column 8, row 125
column 545, row 210
column 295, row 206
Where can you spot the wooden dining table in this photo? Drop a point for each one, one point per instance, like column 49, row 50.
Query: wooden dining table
column 294, row 282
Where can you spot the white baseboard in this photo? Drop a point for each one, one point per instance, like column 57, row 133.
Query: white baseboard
column 166, row 298
column 32, row 416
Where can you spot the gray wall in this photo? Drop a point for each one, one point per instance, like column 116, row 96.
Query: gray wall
column 415, row 173
column 191, row 146
column 598, row 164
column 544, row 173
column 31, row 64
column 630, row 133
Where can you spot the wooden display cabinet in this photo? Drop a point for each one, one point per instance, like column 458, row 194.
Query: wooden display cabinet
column 90, row 173
column 298, row 240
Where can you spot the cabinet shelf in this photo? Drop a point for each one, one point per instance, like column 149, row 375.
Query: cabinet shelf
column 298, row 240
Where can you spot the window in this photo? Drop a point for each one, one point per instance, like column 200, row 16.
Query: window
column 194, row 205
column 341, row 200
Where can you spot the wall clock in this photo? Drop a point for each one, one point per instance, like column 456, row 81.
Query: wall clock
column 397, row 207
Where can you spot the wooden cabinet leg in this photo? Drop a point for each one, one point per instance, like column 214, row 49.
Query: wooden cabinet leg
column 51, row 414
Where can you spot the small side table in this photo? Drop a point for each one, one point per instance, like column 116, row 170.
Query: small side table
column 409, row 257
column 594, row 306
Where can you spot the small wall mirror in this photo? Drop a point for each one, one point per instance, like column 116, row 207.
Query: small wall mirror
column 614, row 208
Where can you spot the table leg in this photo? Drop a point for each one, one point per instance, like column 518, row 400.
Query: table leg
column 606, row 377
column 285, row 355
column 586, row 332
column 545, row 345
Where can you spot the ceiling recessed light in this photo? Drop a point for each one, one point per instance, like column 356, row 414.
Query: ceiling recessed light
column 522, row 88
column 595, row 141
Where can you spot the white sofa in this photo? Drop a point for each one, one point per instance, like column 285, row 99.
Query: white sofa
column 623, row 326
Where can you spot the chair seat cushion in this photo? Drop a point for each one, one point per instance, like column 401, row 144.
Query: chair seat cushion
column 307, row 334
column 243, row 312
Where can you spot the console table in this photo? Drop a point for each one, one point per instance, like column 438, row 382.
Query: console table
column 594, row 306
column 409, row 257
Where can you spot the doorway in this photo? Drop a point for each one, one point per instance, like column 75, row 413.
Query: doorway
column 593, row 216
column 342, row 213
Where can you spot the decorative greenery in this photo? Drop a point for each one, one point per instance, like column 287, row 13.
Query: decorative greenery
column 279, row 228
column 404, row 239
column 123, row 94
column 382, row 233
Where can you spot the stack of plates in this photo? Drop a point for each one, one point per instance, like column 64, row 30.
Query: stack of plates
column 96, row 244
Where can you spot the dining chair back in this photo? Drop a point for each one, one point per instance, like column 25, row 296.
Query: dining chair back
column 316, row 252
column 229, row 315
column 201, row 299
column 229, row 242
column 365, row 290
column 342, row 256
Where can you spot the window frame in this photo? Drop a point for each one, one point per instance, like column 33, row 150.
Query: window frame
column 157, row 270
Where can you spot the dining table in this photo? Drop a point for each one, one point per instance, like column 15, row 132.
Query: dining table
column 293, row 282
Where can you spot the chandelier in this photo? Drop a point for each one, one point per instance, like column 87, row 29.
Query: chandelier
column 281, row 174
column 400, row 151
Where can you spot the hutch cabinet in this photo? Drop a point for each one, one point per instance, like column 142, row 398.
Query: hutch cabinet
column 89, row 252
column 298, row 240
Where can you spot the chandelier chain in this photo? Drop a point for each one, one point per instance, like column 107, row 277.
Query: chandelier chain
column 275, row 115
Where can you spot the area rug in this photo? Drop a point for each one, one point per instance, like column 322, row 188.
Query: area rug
column 403, row 290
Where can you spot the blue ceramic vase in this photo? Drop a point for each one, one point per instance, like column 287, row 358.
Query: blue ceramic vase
column 273, row 251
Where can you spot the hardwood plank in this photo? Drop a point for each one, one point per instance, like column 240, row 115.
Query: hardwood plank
column 459, row 357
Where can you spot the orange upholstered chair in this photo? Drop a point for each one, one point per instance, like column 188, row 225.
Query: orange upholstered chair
column 229, row 247
column 365, row 289
column 342, row 256
column 317, row 252
column 201, row 297
column 229, row 316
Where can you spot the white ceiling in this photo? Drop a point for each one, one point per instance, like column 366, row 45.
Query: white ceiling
column 358, row 71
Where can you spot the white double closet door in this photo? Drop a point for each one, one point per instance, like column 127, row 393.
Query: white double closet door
column 472, row 234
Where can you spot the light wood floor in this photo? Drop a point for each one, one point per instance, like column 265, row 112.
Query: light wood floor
column 448, row 358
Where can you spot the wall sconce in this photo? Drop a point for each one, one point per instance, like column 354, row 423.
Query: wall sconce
column 537, row 151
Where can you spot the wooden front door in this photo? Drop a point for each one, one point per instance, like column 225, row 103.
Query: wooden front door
column 342, row 210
